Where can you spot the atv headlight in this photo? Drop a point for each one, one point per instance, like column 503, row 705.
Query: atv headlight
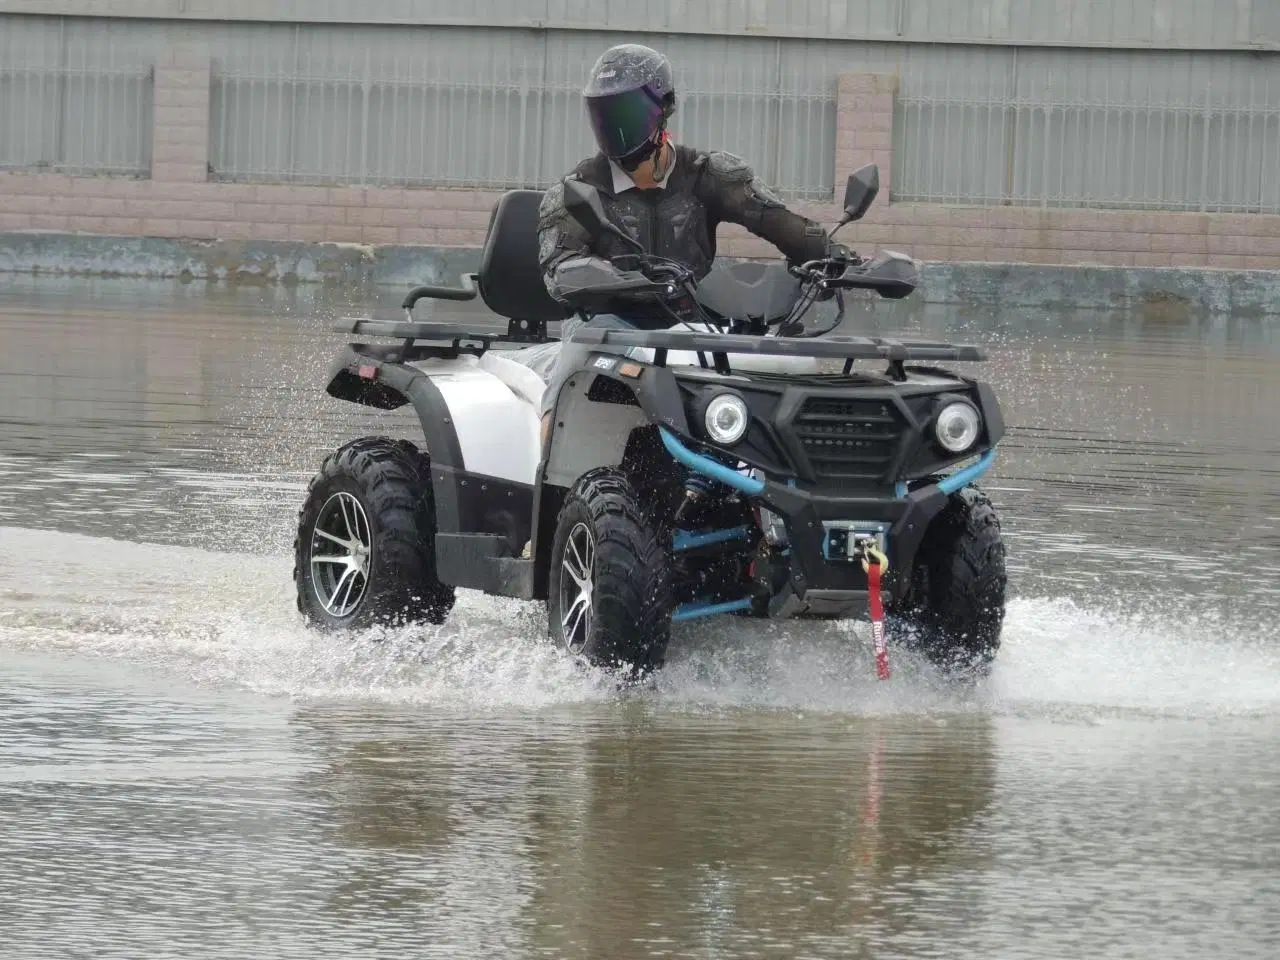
column 726, row 418
column 957, row 427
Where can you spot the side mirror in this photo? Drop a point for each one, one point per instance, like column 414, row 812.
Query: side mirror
column 860, row 192
column 583, row 203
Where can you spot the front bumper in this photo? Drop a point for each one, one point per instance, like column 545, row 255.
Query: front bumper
column 820, row 582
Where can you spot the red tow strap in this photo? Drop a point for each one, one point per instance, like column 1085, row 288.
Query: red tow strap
column 873, row 566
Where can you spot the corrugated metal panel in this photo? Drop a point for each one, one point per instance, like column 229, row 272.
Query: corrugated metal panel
column 69, row 105
column 500, row 107
column 1089, row 128
column 470, row 107
column 1192, row 24
column 1266, row 23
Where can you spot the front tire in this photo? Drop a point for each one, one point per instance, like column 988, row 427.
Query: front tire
column 609, row 599
column 954, row 611
column 365, row 548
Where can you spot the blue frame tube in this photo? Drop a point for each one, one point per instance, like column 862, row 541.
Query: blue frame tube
column 708, row 467
column 683, row 540
column 692, row 611
column 753, row 487
column 962, row 478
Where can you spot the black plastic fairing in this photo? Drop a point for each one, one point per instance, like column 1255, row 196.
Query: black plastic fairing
column 761, row 446
column 926, row 457
column 908, row 518
column 857, row 438
column 749, row 291
column 992, row 415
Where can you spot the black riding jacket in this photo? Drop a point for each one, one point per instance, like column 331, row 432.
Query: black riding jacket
column 677, row 220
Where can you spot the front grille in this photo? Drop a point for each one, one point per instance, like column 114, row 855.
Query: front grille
column 848, row 439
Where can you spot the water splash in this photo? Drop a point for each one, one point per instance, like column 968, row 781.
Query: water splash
column 225, row 618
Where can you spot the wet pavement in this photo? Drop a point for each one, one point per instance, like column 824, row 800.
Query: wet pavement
column 186, row 771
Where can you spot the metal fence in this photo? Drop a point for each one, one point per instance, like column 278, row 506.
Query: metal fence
column 61, row 119
column 1058, row 129
column 499, row 108
column 447, row 121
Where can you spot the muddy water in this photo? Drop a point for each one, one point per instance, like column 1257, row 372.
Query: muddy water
column 185, row 771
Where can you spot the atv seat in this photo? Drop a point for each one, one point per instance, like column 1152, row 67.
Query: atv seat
column 510, row 279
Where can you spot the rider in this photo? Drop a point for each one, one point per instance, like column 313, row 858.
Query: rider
column 670, row 198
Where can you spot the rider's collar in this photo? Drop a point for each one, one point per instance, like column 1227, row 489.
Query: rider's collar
column 622, row 182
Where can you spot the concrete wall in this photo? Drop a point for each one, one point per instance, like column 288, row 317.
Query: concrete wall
column 179, row 202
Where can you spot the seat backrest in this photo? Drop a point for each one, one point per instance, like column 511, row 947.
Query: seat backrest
column 510, row 279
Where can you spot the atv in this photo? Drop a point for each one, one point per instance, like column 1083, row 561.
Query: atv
column 736, row 465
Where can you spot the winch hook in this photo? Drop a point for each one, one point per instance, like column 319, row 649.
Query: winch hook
column 874, row 564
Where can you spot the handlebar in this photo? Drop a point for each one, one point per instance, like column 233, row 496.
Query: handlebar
column 824, row 278
column 812, row 271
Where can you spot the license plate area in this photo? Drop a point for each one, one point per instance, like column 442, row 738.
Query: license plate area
column 841, row 539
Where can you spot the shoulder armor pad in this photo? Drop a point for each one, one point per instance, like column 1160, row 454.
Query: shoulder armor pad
column 728, row 166
column 552, row 209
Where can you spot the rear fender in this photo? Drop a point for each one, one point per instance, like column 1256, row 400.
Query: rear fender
column 367, row 376
column 354, row 388
column 369, row 379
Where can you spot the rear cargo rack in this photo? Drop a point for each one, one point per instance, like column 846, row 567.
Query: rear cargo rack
column 421, row 340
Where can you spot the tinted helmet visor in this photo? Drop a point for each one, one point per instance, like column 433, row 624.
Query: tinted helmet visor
column 624, row 122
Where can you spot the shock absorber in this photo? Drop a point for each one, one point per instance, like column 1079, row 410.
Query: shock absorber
column 696, row 486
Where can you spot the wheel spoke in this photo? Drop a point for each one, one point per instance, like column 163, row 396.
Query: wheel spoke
column 582, row 583
column 329, row 536
column 353, row 535
column 332, row 604
column 575, row 564
column 361, row 532
column 574, row 618
column 331, row 558
column 350, row 585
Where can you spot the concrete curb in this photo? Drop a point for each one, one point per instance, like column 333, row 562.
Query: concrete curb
column 1177, row 290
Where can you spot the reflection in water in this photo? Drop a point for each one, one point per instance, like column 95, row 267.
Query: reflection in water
column 612, row 836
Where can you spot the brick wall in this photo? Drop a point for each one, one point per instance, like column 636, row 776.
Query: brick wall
column 179, row 202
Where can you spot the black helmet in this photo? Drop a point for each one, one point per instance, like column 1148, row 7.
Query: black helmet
column 629, row 98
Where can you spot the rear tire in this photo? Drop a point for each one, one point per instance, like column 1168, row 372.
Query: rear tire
column 374, row 495
column 609, row 595
column 954, row 611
